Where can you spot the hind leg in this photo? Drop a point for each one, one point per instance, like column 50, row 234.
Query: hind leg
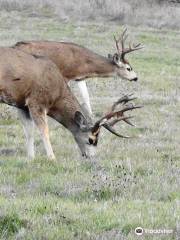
column 28, row 126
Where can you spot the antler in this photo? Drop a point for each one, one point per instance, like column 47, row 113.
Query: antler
column 122, row 50
column 121, row 40
column 112, row 117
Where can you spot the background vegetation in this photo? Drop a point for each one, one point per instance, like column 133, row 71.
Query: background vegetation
column 132, row 182
column 152, row 13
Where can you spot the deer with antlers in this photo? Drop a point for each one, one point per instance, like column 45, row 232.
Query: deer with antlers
column 36, row 87
column 78, row 63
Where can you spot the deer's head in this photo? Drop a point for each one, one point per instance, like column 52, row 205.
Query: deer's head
column 123, row 68
column 86, row 134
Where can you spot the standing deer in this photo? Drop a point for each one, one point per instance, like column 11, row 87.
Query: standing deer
column 35, row 86
column 78, row 63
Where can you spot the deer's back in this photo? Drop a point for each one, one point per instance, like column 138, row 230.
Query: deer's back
column 74, row 61
column 22, row 75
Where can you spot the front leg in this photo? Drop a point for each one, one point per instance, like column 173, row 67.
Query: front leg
column 28, row 126
column 39, row 116
column 85, row 95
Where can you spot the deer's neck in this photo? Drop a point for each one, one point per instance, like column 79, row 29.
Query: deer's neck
column 64, row 109
column 93, row 66
column 101, row 67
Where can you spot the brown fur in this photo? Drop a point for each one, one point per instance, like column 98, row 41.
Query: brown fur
column 75, row 62
column 34, row 82
column 36, row 86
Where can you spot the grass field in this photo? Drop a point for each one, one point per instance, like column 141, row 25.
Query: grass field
column 133, row 182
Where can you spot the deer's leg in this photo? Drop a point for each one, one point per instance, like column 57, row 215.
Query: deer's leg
column 28, row 126
column 85, row 95
column 39, row 116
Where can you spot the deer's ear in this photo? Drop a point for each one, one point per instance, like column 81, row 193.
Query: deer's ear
column 110, row 56
column 116, row 59
column 80, row 119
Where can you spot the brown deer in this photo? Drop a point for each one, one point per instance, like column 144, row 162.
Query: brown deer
column 36, row 87
column 78, row 63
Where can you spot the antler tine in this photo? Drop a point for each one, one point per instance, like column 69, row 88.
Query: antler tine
column 110, row 129
column 137, row 45
column 131, row 49
column 123, row 118
column 130, row 107
column 119, row 115
column 117, row 45
column 123, row 38
column 124, row 100
column 124, row 32
column 128, row 122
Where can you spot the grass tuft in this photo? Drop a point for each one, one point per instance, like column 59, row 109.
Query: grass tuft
column 11, row 224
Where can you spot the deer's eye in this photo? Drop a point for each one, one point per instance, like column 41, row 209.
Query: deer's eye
column 129, row 69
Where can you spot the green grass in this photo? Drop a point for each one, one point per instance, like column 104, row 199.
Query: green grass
column 135, row 182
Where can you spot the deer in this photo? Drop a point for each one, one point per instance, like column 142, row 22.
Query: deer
column 35, row 85
column 78, row 63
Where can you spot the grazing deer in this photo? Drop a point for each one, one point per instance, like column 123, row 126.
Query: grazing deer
column 36, row 87
column 78, row 63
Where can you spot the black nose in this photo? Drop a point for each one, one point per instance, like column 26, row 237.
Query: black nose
column 135, row 79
